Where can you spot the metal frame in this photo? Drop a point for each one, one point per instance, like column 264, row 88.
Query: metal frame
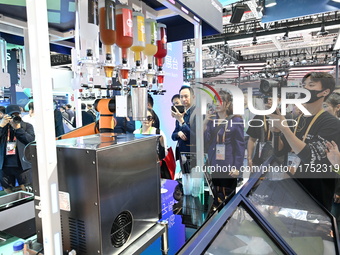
column 245, row 29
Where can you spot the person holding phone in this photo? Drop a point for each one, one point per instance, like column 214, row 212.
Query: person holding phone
column 15, row 134
column 225, row 145
column 176, row 103
column 305, row 144
column 185, row 130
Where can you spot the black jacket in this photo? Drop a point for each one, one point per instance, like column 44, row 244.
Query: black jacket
column 24, row 136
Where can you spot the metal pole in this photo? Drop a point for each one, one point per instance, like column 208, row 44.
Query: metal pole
column 337, row 85
column 165, row 238
column 199, row 108
column 45, row 131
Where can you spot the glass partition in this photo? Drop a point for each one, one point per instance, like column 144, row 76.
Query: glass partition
column 242, row 235
column 295, row 215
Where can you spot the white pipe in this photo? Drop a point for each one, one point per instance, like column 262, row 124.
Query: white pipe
column 44, row 132
column 199, row 108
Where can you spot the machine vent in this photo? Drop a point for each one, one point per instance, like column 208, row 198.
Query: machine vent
column 77, row 235
column 62, row 229
column 121, row 229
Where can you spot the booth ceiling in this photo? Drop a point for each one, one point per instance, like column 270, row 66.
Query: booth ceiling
column 61, row 16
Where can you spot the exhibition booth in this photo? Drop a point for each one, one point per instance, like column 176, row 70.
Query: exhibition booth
column 95, row 191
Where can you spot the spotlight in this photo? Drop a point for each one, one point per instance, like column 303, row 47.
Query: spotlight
column 212, row 51
column 270, row 3
column 285, row 36
column 188, row 49
column 254, row 36
column 254, row 40
column 322, row 31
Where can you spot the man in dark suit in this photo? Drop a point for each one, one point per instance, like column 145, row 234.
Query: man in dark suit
column 14, row 136
column 185, row 130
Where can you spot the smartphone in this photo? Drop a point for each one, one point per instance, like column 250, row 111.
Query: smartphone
column 180, row 108
column 211, row 109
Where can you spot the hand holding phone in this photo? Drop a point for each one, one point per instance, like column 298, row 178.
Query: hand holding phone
column 180, row 108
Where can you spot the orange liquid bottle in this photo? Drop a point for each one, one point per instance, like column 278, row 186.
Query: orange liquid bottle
column 107, row 36
column 124, row 35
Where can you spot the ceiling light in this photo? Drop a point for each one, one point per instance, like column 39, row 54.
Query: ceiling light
column 270, row 3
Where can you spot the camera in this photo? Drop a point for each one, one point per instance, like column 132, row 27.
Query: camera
column 267, row 85
column 16, row 118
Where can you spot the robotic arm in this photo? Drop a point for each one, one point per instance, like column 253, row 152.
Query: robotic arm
column 106, row 107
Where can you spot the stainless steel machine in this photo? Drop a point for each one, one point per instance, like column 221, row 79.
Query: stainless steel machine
column 109, row 191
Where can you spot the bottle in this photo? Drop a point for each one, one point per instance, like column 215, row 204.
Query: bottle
column 124, row 32
column 138, row 44
column 161, row 44
column 150, row 40
column 107, row 27
column 18, row 248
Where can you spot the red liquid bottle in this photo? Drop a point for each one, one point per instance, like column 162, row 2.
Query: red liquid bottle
column 124, row 35
column 161, row 45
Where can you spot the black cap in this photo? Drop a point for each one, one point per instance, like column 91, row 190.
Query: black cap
column 12, row 108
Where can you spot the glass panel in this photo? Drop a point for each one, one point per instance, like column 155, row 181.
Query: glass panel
column 294, row 215
column 242, row 235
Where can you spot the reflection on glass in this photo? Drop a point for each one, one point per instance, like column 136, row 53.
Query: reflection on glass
column 294, row 215
column 242, row 235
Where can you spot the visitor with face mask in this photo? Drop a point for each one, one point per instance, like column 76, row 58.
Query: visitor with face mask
column 305, row 145
column 332, row 104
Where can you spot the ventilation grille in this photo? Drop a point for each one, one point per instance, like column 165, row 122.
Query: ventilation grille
column 62, row 229
column 121, row 229
column 77, row 235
